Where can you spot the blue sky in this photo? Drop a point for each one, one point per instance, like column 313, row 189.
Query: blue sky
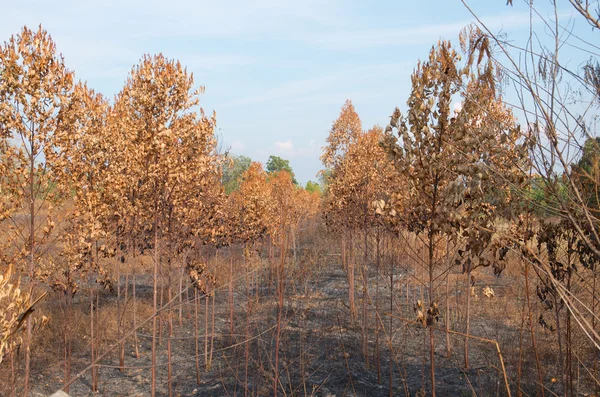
column 275, row 72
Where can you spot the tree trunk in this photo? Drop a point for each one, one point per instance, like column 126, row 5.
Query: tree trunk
column 31, row 264
column 520, row 363
column 135, row 338
column 169, row 355
column 351, row 280
column 231, row 299
column 431, row 301
column 569, row 341
column 294, row 245
column 280, row 290
column 247, row 339
column 67, row 341
column 98, row 336
column 154, row 303
column 120, row 314
column 377, row 355
column 391, row 331
column 344, row 259
column 196, row 336
column 447, row 321
column 206, row 301
column 532, row 330
column 365, row 314
column 92, row 339
column 212, row 330
column 468, row 319
column 181, row 294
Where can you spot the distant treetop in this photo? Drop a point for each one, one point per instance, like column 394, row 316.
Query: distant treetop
column 276, row 163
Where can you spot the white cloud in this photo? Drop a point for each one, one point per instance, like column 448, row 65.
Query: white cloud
column 457, row 107
column 288, row 150
column 285, row 147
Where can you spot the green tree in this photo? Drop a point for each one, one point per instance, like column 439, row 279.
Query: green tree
column 276, row 163
column 587, row 175
column 312, row 187
column 232, row 172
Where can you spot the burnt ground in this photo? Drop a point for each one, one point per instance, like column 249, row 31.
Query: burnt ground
column 321, row 348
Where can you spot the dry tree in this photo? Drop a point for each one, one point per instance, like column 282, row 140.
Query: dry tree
column 459, row 166
column 553, row 77
column 361, row 178
column 83, row 165
column 35, row 91
column 345, row 130
column 281, row 192
column 167, row 142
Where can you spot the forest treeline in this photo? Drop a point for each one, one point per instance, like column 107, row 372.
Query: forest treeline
column 125, row 227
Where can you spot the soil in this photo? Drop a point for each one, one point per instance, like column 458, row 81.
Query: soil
column 321, row 350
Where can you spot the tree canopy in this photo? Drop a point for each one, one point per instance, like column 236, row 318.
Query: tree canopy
column 313, row 187
column 276, row 163
column 233, row 170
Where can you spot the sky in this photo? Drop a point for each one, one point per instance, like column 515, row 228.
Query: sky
column 276, row 72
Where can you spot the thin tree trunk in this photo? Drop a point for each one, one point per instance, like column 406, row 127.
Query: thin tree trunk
column 31, row 264
column 365, row 314
column 169, row 355
column 247, row 338
column 569, row 343
column 98, row 336
column 188, row 313
column 561, row 368
column 206, row 364
column 595, row 370
column 377, row 355
column 532, row 330
column 135, row 338
column 231, row 298
column 212, row 330
column 212, row 320
column 181, row 295
column 67, row 341
column 280, row 287
column 294, row 245
column 447, row 321
column 92, row 338
column 120, row 315
column 391, row 331
column 520, row 364
column 155, row 303
column 468, row 319
column 196, row 336
column 351, row 280
column 125, row 307
column 407, row 289
column 344, row 259
column 160, row 304
column 431, row 301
